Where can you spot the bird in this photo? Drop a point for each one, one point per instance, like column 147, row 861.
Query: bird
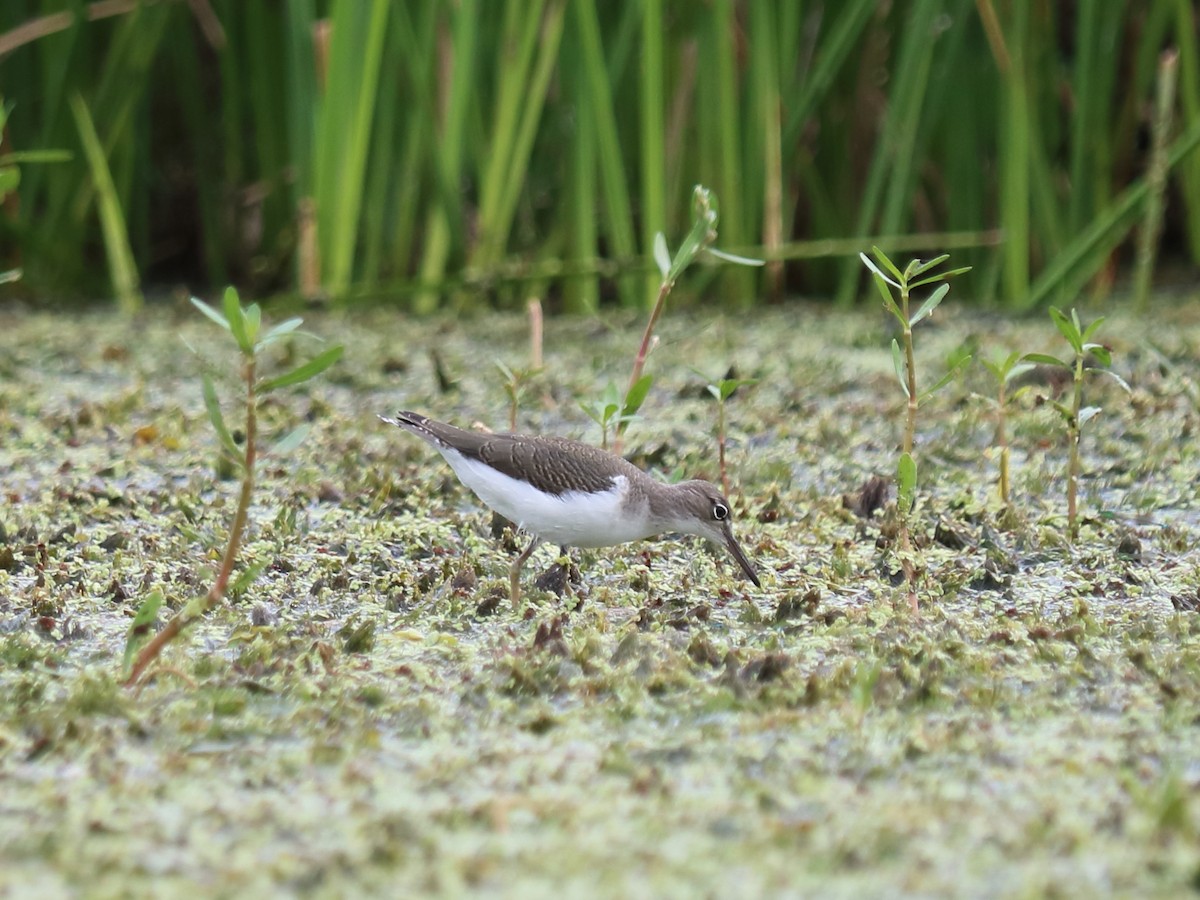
column 573, row 494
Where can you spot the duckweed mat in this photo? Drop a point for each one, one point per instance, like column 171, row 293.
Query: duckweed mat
column 371, row 715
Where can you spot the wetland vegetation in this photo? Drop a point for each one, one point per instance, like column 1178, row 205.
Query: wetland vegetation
column 370, row 713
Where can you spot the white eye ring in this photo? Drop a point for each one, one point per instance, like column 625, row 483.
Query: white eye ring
column 720, row 511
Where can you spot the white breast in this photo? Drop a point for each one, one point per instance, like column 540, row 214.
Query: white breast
column 575, row 519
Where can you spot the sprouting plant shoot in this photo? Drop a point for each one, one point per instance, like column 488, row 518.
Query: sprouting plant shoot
column 701, row 238
column 721, row 390
column 1005, row 371
column 612, row 412
column 916, row 274
column 515, row 382
column 1076, row 415
column 245, row 327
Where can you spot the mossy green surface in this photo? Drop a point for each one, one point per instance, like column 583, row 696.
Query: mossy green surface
column 372, row 716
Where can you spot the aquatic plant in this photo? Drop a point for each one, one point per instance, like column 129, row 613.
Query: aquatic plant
column 915, row 275
column 1074, row 414
column 244, row 325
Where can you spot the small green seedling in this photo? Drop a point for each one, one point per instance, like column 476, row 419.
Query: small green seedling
column 916, row 274
column 515, row 382
column 700, row 239
column 1076, row 415
column 721, row 390
column 613, row 412
column 245, row 327
column 1004, row 372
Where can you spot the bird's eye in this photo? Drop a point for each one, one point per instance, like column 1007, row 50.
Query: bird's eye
column 720, row 511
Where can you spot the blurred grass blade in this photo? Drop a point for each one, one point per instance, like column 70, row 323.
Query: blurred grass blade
column 213, row 405
column 599, row 105
column 121, row 266
column 503, row 186
column 1086, row 253
column 344, row 132
column 291, row 440
column 211, row 313
column 652, row 168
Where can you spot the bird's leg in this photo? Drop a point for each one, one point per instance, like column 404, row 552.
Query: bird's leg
column 514, row 574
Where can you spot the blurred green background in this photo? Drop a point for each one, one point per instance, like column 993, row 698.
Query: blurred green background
column 478, row 153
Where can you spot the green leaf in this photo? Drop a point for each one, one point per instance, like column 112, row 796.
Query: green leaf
column 10, row 180
column 247, row 577
column 875, row 270
column 922, row 267
column 636, row 396
column 945, row 379
column 930, row 304
column 1093, row 328
column 906, row 483
column 940, row 276
column 728, row 385
column 1045, row 359
column 139, row 629
column 734, row 258
column 888, row 302
column 310, row 369
column 210, row 312
column 662, row 255
column 1087, row 414
column 291, row 440
column 688, row 251
column 887, row 263
column 592, row 411
column 1067, row 328
column 213, row 405
column 611, row 395
column 282, row 329
column 1063, row 410
column 236, row 318
column 704, row 223
column 35, row 156
column 898, row 364
column 1115, row 377
column 1102, row 353
column 995, row 368
column 253, row 322
column 1017, row 371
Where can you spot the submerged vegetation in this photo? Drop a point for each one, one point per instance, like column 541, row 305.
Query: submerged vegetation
column 369, row 715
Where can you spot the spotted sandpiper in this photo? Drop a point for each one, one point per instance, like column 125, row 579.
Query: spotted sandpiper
column 573, row 494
